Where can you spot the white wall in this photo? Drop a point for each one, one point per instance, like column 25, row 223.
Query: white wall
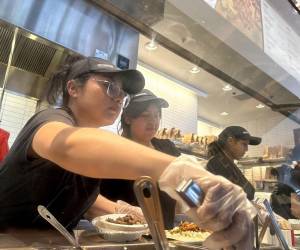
column 16, row 110
column 204, row 129
column 182, row 112
column 274, row 130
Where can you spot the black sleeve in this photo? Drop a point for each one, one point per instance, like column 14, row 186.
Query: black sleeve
column 23, row 142
column 165, row 146
column 173, row 149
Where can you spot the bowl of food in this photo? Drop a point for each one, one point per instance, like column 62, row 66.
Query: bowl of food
column 120, row 227
column 120, row 222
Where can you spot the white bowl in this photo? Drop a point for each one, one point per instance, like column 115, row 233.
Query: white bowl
column 101, row 222
column 119, row 236
column 118, row 232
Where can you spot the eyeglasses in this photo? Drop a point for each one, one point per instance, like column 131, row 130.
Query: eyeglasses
column 114, row 91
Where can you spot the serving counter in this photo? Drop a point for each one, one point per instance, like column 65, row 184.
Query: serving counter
column 32, row 239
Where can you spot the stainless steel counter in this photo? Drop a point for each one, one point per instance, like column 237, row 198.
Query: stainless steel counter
column 34, row 239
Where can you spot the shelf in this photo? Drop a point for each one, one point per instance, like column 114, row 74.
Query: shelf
column 189, row 152
column 260, row 161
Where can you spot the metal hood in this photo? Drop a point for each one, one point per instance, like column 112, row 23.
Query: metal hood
column 49, row 31
column 34, row 59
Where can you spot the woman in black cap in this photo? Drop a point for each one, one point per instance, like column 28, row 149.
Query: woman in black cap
column 231, row 145
column 60, row 155
column 140, row 121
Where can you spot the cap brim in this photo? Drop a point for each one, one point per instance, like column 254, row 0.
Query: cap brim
column 254, row 140
column 162, row 102
column 133, row 80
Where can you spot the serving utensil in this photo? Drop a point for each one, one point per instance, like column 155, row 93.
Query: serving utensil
column 43, row 211
column 146, row 192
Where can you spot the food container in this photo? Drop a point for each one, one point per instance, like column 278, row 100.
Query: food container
column 118, row 232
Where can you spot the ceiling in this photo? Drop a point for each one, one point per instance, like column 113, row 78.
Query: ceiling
column 190, row 33
column 239, row 106
column 217, row 45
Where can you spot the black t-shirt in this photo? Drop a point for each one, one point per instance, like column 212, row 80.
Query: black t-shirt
column 220, row 164
column 115, row 189
column 26, row 183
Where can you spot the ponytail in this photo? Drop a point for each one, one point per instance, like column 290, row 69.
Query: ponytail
column 214, row 148
column 56, row 88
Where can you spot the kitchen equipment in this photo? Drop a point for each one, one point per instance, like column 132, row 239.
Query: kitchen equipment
column 43, row 211
column 146, row 192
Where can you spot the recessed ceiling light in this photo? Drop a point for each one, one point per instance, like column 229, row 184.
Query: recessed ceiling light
column 227, row 88
column 33, row 37
column 224, row 113
column 152, row 45
column 260, row 106
column 195, row 70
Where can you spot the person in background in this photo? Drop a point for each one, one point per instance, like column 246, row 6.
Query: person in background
column 140, row 121
column 232, row 144
column 60, row 156
column 288, row 182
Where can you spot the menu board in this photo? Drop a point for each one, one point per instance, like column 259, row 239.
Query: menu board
column 245, row 15
column 281, row 42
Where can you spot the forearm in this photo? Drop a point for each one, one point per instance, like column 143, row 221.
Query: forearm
column 101, row 206
column 99, row 154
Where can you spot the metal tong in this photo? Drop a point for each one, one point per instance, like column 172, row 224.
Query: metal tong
column 272, row 220
column 43, row 211
column 147, row 195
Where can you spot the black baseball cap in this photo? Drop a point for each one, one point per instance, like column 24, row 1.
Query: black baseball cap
column 133, row 81
column 239, row 133
column 146, row 95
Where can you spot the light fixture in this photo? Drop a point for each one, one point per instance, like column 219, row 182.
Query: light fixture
column 260, row 106
column 224, row 113
column 227, row 87
column 152, row 45
column 195, row 69
column 31, row 36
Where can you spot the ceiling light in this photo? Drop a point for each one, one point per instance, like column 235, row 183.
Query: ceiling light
column 224, row 113
column 33, row 37
column 260, row 106
column 152, row 45
column 195, row 70
column 227, row 88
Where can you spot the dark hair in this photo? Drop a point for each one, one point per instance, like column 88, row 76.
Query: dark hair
column 56, row 88
column 133, row 110
column 218, row 145
column 214, row 148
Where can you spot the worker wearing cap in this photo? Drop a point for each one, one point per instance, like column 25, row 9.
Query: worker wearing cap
column 61, row 154
column 232, row 144
column 140, row 121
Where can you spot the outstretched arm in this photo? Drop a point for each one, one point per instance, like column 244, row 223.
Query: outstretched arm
column 97, row 153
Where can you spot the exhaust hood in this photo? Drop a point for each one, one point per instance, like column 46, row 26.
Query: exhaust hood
column 49, row 31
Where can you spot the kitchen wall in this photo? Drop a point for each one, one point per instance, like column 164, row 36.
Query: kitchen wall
column 204, row 129
column 16, row 111
column 274, row 130
column 182, row 112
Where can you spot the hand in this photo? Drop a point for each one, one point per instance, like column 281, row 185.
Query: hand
column 225, row 208
column 239, row 235
column 123, row 207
